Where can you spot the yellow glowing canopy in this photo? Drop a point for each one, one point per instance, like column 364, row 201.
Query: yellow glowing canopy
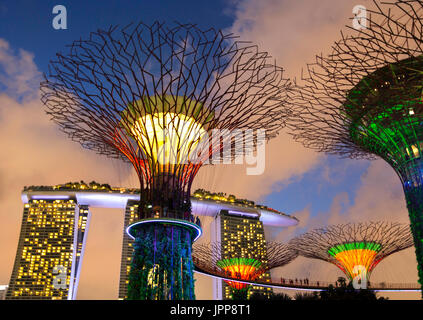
column 167, row 128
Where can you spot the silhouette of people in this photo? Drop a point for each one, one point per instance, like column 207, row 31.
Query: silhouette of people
column 198, row 221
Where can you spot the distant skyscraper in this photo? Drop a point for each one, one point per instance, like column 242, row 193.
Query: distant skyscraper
column 241, row 234
column 53, row 234
column 50, row 250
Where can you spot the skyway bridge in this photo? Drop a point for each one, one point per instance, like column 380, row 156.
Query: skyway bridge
column 307, row 285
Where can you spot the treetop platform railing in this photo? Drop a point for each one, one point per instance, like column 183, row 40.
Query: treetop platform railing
column 302, row 283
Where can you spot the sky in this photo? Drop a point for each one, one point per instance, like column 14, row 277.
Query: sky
column 316, row 188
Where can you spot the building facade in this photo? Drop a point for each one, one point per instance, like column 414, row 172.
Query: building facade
column 50, row 250
column 55, row 225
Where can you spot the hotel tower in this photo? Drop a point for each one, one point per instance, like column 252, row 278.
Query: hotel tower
column 50, row 250
column 240, row 234
column 55, row 224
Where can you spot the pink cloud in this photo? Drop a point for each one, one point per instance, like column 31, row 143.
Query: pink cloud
column 293, row 32
column 34, row 152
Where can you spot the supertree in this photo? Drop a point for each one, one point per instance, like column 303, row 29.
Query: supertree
column 208, row 257
column 166, row 99
column 364, row 100
column 355, row 248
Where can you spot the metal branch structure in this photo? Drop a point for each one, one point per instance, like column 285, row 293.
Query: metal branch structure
column 207, row 257
column 364, row 100
column 355, row 248
column 165, row 98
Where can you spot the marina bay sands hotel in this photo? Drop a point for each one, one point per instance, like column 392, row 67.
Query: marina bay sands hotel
column 56, row 220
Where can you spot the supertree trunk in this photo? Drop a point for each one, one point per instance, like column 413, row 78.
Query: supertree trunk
column 162, row 266
column 364, row 99
column 414, row 198
column 411, row 178
column 354, row 247
column 153, row 96
column 165, row 196
column 240, row 294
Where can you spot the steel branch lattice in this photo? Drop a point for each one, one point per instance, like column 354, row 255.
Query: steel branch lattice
column 364, row 100
column 369, row 242
column 120, row 92
column 320, row 121
column 206, row 256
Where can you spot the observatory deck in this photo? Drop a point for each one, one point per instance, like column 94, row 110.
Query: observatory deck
column 108, row 197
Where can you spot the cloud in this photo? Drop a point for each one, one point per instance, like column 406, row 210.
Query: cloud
column 34, row 152
column 378, row 198
column 19, row 76
column 285, row 160
column 293, row 31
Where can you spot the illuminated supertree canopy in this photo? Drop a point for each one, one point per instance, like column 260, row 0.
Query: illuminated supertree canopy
column 165, row 98
column 242, row 269
column 355, row 248
column 364, row 100
column 208, row 258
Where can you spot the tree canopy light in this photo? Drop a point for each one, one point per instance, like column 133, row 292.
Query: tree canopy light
column 364, row 100
column 168, row 130
column 242, row 269
column 152, row 95
column 385, row 112
column 351, row 255
column 355, row 248
column 209, row 258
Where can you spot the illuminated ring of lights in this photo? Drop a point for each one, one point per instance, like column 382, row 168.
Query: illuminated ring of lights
column 194, row 229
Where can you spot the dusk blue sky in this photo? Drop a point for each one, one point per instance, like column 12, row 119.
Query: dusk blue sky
column 312, row 188
column 27, row 25
column 318, row 189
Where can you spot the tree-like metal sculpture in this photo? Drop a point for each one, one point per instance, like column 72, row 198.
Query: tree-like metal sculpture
column 208, row 258
column 166, row 99
column 364, row 100
column 355, row 248
column 242, row 269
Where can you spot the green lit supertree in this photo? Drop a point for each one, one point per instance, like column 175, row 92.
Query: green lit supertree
column 165, row 98
column 364, row 100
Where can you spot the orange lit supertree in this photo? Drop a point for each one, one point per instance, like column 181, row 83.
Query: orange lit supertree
column 154, row 96
column 364, row 100
column 355, row 248
column 249, row 267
